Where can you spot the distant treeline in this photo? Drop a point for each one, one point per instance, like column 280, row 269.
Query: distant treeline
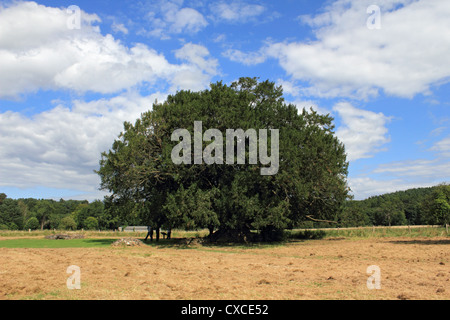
column 418, row 206
column 411, row 207
column 24, row 214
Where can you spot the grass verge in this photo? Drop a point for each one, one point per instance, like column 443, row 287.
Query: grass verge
column 92, row 239
column 46, row 243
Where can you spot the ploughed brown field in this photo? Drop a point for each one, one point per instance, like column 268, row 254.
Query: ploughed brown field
column 335, row 268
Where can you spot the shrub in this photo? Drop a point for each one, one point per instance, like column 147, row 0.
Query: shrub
column 67, row 223
column 91, row 223
column 13, row 226
column 32, row 223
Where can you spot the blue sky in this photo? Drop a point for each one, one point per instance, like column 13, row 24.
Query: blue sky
column 69, row 78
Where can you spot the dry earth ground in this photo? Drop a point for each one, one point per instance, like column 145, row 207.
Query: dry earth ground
column 411, row 268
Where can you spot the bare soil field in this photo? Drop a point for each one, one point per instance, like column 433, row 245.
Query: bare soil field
column 335, row 268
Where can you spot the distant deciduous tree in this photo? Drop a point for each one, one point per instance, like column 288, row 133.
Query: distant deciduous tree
column 441, row 205
column 436, row 207
column 32, row 223
column 2, row 197
column 67, row 223
column 91, row 223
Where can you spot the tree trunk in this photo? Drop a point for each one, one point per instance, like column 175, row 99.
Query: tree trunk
column 158, row 229
column 211, row 231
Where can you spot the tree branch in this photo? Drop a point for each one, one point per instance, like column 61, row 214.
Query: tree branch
column 319, row 220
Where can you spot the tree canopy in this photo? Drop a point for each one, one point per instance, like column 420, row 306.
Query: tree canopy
column 19, row 214
column 144, row 181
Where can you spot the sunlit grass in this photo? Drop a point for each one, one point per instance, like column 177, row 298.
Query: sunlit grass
column 47, row 243
column 36, row 239
column 378, row 232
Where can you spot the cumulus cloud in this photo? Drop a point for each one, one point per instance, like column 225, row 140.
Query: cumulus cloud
column 28, row 25
column 363, row 132
column 405, row 57
column 187, row 19
column 199, row 56
column 61, row 147
column 169, row 17
column 199, row 69
column 39, row 51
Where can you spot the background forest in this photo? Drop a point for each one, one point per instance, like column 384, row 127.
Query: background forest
column 411, row 207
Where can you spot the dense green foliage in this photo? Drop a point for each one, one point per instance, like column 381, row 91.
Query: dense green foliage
column 91, row 223
column 24, row 214
column 67, row 223
column 418, row 206
column 145, row 182
column 32, row 224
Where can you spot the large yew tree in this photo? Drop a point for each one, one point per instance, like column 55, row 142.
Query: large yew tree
column 227, row 199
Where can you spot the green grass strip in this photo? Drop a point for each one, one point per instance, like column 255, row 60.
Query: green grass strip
column 47, row 243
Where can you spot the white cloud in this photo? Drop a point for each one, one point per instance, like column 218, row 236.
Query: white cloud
column 197, row 74
column 28, row 25
column 248, row 59
column 363, row 132
column 40, row 52
column 119, row 27
column 364, row 187
column 407, row 56
column 105, row 66
column 187, row 20
column 199, row 56
column 168, row 17
column 288, row 87
column 417, row 169
column 61, row 147
column 309, row 104
column 291, row 89
column 236, row 11
column 442, row 147
column 406, row 174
